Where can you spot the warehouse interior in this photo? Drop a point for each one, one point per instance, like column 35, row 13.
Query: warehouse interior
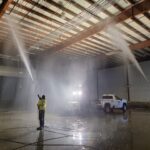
column 74, row 52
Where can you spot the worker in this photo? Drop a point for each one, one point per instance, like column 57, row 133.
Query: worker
column 41, row 108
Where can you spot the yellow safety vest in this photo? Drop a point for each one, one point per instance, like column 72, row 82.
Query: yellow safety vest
column 41, row 104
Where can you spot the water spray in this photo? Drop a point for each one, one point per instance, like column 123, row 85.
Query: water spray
column 20, row 45
column 14, row 29
column 120, row 43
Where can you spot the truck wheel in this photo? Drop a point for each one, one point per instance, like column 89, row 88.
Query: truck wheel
column 107, row 108
column 112, row 109
column 124, row 108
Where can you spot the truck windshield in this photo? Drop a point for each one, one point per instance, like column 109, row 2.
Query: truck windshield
column 107, row 97
column 117, row 97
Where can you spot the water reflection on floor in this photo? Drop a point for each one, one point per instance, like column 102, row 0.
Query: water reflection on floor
column 99, row 131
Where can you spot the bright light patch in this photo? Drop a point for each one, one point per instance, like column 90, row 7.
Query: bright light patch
column 77, row 93
column 74, row 93
column 78, row 137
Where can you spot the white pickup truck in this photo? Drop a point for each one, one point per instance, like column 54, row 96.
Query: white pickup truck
column 110, row 102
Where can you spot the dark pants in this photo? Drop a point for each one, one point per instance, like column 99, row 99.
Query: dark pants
column 41, row 117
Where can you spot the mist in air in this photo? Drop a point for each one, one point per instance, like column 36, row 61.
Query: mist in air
column 58, row 77
column 55, row 76
column 14, row 28
column 121, row 44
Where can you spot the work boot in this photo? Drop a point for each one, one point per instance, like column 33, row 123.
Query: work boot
column 39, row 128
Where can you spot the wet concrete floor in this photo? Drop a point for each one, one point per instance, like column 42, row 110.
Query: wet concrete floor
column 117, row 131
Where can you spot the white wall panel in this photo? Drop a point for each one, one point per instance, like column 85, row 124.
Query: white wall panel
column 114, row 80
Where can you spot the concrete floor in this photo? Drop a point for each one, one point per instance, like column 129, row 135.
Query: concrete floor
column 116, row 131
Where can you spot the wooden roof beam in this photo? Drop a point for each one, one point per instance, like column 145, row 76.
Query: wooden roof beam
column 79, row 51
column 4, row 6
column 131, row 1
column 44, row 8
column 110, row 15
column 83, row 49
column 141, row 24
column 146, row 14
column 138, row 21
column 64, row 9
column 134, row 19
column 83, row 9
column 44, row 17
column 138, row 8
column 92, row 2
column 140, row 45
column 125, row 24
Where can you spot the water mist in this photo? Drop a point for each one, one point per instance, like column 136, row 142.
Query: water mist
column 120, row 43
column 20, row 46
